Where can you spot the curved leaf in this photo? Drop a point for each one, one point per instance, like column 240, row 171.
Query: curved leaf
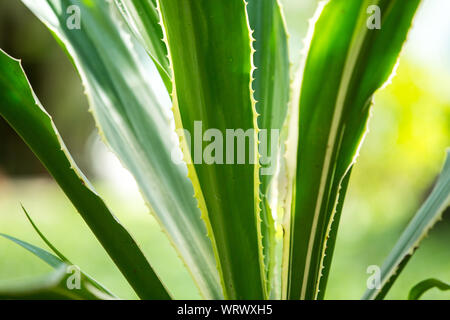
column 61, row 256
column 56, row 282
column 41, row 235
column 22, row 110
column 212, row 77
column 332, row 237
column 271, row 84
column 53, row 287
column 429, row 213
column 131, row 108
column 45, row 256
column 419, row 289
column 347, row 62
column 143, row 19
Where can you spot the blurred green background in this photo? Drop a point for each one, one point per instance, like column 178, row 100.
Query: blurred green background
column 402, row 154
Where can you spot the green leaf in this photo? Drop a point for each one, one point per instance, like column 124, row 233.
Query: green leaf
column 332, row 237
column 429, row 213
column 22, row 110
column 55, row 283
column 41, row 235
column 131, row 107
column 143, row 19
column 346, row 63
column 271, row 85
column 212, row 72
column 54, row 286
column 62, row 257
column 286, row 179
column 419, row 289
column 45, row 256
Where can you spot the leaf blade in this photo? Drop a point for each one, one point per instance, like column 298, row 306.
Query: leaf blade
column 50, row 259
column 212, row 85
column 143, row 20
column 62, row 257
column 53, row 287
column 419, row 289
column 346, row 64
column 131, row 113
column 53, row 283
column 420, row 224
column 22, row 110
column 271, row 85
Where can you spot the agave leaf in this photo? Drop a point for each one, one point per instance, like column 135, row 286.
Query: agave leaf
column 131, row 108
column 271, row 85
column 44, row 255
column 286, row 177
column 429, row 213
column 212, row 72
column 23, row 111
column 54, row 286
column 143, row 19
column 89, row 288
column 419, row 289
column 346, row 63
column 41, row 235
column 61, row 256
column 332, row 236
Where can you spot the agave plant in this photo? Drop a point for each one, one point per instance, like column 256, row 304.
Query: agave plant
column 256, row 226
